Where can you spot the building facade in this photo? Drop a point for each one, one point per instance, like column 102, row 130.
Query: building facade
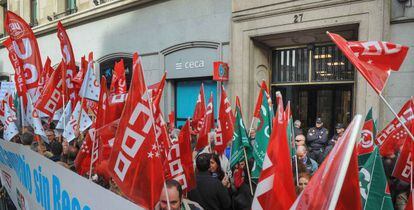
column 182, row 37
column 284, row 42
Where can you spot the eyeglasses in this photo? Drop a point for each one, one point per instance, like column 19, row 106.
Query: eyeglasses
column 298, row 140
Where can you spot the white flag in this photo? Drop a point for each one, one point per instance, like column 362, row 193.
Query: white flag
column 57, row 115
column 71, row 127
column 32, row 117
column 90, row 86
column 9, row 121
column 65, row 116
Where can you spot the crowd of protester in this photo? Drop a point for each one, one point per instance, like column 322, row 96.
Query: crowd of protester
column 218, row 185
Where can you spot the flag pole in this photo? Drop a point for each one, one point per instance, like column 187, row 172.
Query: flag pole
column 92, row 156
column 22, row 112
column 296, row 170
column 396, row 115
column 248, row 170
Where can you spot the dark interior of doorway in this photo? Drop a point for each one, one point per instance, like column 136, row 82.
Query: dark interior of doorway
column 332, row 102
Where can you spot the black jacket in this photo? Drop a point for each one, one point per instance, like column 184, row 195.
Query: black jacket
column 317, row 138
column 210, row 193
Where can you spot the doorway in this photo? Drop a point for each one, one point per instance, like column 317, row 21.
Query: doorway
column 331, row 102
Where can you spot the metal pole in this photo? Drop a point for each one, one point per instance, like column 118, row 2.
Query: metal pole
column 396, row 115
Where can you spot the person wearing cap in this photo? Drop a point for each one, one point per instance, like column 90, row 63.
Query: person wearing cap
column 339, row 131
column 317, row 140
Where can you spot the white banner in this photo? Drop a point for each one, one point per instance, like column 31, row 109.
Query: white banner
column 7, row 87
column 35, row 182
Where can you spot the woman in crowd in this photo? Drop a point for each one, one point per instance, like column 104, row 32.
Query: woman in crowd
column 216, row 171
column 304, row 179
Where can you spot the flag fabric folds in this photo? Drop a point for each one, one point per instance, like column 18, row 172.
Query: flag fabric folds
column 199, row 111
column 26, row 49
column 224, row 132
column 275, row 189
column 240, row 139
column 368, row 133
column 208, row 124
column 374, row 59
column 335, row 183
column 264, row 128
column 90, row 86
column 180, row 159
column 392, row 137
column 135, row 162
column 373, row 184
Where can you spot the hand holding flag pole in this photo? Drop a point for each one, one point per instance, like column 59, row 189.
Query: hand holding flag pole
column 374, row 60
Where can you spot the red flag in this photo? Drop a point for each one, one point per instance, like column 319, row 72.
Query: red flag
column 158, row 97
column 335, row 183
column 69, row 59
column 102, row 104
column 118, row 82
column 51, row 98
column 402, row 169
column 279, row 100
column 199, row 111
column 83, row 158
column 392, row 137
column 106, row 137
column 275, row 189
column 116, row 105
column 135, row 161
column 409, row 205
column 263, row 89
column 366, row 143
column 171, row 120
column 161, row 131
column 25, row 47
column 224, row 133
column 207, row 125
column 374, row 59
column 47, row 70
column 180, row 160
column 19, row 76
column 42, row 79
column 78, row 78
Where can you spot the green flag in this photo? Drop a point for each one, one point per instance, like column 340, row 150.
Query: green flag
column 264, row 126
column 240, row 140
column 290, row 134
column 373, row 184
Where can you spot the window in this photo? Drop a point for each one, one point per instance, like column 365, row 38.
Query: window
column 329, row 64
column 71, row 7
column 33, row 13
column 3, row 5
column 106, row 69
column 324, row 63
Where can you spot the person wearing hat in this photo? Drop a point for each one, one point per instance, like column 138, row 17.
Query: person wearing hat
column 339, row 131
column 317, row 140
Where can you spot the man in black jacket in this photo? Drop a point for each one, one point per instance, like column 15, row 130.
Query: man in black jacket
column 210, row 192
column 317, row 140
